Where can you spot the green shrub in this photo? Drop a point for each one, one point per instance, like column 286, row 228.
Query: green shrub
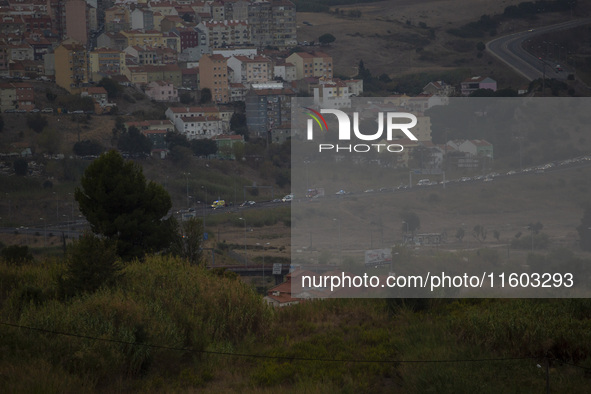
column 15, row 254
column 161, row 301
column 92, row 263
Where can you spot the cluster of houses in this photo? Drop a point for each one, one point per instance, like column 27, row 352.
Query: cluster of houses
column 240, row 50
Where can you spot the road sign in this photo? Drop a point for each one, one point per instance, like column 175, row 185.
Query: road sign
column 378, row 257
column 205, row 236
column 277, row 267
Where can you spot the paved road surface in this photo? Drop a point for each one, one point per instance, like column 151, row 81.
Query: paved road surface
column 509, row 50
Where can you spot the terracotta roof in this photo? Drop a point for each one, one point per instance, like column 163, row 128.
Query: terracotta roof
column 180, row 110
column 96, row 90
column 283, row 298
column 158, row 122
column 174, row 18
column 215, row 57
column 105, row 50
column 194, row 70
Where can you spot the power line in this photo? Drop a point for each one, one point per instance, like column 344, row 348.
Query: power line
column 262, row 355
column 574, row 365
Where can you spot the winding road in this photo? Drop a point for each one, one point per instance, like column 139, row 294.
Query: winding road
column 509, row 50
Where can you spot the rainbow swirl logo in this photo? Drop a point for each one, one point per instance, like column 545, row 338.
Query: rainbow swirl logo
column 318, row 118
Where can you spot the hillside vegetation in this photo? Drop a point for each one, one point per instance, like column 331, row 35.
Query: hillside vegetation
column 169, row 326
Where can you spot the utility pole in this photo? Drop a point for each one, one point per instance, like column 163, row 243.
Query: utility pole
column 245, row 255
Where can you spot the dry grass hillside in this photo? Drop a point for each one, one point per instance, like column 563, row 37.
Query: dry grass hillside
column 399, row 37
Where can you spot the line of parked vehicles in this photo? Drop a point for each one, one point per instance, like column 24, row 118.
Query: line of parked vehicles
column 45, row 111
column 315, row 193
column 540, row 169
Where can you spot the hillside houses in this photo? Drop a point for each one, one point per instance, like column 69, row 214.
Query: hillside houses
column 240, row 51
column 200, row 122
column 473, row 84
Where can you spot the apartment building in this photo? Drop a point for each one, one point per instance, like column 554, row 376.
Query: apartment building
column 312, row 64
column 213, row 70
column 268, row 109
column 227, row 33
column 273, row 23
column 104, row 62
column 71, row 70
column 248, row 70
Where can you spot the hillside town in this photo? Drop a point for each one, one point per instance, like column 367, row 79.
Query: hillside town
column 238, row 52
column 293, row 196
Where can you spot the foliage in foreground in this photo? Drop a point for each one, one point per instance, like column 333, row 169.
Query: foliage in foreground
column 121, row 205
column 172, row 303
column 162, row 301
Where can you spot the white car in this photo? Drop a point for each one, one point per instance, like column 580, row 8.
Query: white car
column 287, row 198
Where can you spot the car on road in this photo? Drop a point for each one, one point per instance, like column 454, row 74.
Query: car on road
column 288, row 198
column 47, row 110
column 219, row 204
column 247, row 203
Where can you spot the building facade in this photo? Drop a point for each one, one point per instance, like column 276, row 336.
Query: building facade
column 213, row 70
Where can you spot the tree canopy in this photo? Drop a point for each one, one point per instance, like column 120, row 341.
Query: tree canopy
column 206, row 96
column 112, row 87
column 134, row 142
column 121, row 205
column 88, row 147
column 204, row 147
column 36, row 122
column 410, row 221
column 326, row 39
column 21, row 166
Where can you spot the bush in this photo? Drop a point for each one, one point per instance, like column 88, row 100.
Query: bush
column 161, row 301
column 21, row 167
column 88, row 148
column 36, row 122
column 92, row 263
column 15, row 254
